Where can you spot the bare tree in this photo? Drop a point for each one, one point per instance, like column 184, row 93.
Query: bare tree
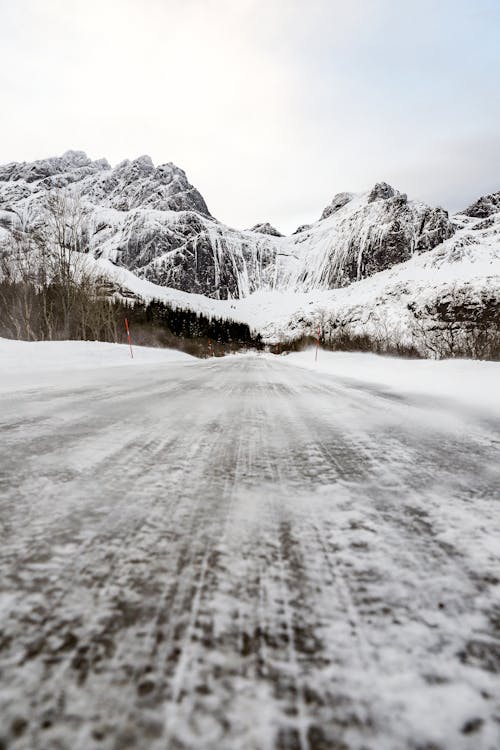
column 48, row 286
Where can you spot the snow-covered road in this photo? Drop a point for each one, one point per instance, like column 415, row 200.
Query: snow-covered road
column 241, row 554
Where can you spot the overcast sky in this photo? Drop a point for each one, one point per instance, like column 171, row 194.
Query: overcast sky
column 270, row 106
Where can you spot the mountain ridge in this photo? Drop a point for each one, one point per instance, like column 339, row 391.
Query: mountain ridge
column 374, row 264
column 152, row 221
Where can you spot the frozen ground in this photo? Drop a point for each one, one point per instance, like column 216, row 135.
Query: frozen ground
column 242, row 554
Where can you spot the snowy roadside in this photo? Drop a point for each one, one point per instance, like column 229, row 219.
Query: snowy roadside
column 474, row 384
column 27, row 364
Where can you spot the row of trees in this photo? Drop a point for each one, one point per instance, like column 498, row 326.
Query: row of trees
column 157, row 323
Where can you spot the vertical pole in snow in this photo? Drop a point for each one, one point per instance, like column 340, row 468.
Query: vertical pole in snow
column 317, row 343
column 128, row 336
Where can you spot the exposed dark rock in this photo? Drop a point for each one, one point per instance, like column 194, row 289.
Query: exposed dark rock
column 484, row 206
column 434, row 229
column 381, row 191
column 266, row 228
column 339, row 201
column 485, row 224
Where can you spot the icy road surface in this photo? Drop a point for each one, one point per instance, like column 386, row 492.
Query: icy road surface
column 244, row 555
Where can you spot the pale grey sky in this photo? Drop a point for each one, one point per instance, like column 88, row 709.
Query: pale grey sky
column 271, row 106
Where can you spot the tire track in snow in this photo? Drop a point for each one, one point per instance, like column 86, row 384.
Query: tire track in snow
column 242, row 581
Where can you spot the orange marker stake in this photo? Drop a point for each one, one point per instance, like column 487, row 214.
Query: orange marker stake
column 128, row 336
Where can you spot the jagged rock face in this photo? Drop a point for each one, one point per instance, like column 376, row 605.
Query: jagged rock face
column 434, row 229
column 266, row 228
column 131, row 184
column 71, row 162
column 302, row 228
column 358, row 240
column 462, row 307
column 371, row 233
column 381, row 191
column 339, row 201
column 152, row 221
column 484, row 206
column 213, row 260
column 139, row 184
column 21, row 181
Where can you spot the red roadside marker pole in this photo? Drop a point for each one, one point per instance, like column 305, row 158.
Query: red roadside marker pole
column 317, row 343
column 128, row 336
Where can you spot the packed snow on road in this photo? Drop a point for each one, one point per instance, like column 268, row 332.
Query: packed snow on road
column 247, row 553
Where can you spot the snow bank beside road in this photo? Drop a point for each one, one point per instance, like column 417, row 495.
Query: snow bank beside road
column 474, row 384
column 45, row 363
column 28, row 363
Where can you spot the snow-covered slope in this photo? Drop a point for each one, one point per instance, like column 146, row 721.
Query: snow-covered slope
column 464, row 271
column 34, row 364
column 153, row 222
column 360, row 235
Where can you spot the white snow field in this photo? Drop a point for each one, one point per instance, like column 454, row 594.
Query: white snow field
column 37, row 363
column 246, row 554
column 467, row 384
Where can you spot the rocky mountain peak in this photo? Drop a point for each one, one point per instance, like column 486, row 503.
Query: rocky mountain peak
column 41, row 169
column 381, row 191
column 302, row 228
column 141, row 166
column 484, row 206
column 338, row 202
column 72, row 158
column 138, row 183
column 102, row 163
column 266, row 228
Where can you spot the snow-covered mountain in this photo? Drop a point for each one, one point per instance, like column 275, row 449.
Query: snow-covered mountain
column 129, row 185
column 460, row 277
column 369, row 263
column 152, row 221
